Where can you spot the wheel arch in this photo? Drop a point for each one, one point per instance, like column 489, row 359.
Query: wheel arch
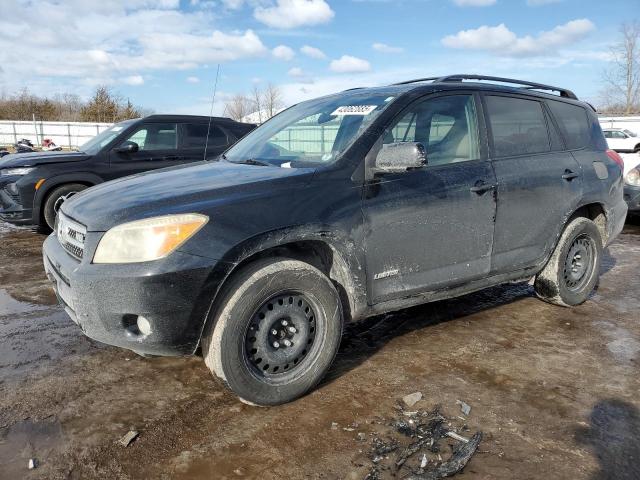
column 52, row 183
column 338, row 259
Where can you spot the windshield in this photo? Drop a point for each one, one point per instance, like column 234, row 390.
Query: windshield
column 94, row 145
column 311, row 133
column 630, row 133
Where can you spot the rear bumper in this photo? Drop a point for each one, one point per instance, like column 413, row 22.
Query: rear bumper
column 632, row 197
column 173, row 294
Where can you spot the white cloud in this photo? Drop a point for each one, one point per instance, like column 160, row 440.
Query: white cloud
column 502, row 41
column 287, row 14
column 282, row 52
column 133, row 80
column 384, row 48
column 296, row 72
column 349, row 64
column 233, row 4
column 313, row 52
column 193, row 80
column 108, row 41
column 474, row 3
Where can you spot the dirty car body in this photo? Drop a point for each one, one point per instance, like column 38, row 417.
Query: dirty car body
column 486, row 179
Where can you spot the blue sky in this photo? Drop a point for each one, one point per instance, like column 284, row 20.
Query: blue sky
column 162, row 54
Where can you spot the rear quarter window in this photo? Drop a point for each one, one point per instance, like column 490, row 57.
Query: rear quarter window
column 573, row 122
column 518, row 126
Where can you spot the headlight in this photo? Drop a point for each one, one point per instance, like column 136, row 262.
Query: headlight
column 16, row 171
column 148, row 239
column 633, row 177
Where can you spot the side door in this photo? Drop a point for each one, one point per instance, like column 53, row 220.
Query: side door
column 431, row 227
column 157, row 147
column 194, row 139
column 539, row 182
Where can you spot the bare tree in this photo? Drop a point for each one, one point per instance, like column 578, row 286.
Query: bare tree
column 622, row 79
column 272, row 100
column 256, row 97
column 238, row 107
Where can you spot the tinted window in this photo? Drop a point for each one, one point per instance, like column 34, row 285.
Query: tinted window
column 518, row 126
column 573, row 123
column 446, row 126
column 607, row 134
column 195, row 136
column 156, row 136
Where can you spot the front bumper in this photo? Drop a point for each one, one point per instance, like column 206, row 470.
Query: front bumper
column 632, row 197
column 11, row 208
column 173, row 294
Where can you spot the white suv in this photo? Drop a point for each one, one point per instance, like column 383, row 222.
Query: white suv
column 622, row 140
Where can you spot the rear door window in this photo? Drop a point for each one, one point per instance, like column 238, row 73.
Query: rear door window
column 518, row 126
column 195, row 136
column 573, row 123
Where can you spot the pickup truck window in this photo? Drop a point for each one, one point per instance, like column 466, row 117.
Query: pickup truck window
column 156, row 136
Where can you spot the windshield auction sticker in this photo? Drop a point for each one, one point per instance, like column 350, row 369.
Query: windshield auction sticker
column 354, row 110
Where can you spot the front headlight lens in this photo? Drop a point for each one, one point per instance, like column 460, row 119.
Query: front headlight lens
column 16, row 171
column 633, row 177
column 148, row 239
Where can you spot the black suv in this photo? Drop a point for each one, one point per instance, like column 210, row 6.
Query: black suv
column 34, row 185
column 339, row 208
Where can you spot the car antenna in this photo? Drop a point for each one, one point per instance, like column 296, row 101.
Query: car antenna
column 213, row 99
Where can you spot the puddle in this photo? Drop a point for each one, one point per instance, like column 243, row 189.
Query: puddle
column 11, row 306
column 26, row 440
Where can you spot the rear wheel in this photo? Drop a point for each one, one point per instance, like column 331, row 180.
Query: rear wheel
column 276, row 332
column 574, row 268
column 56, row 198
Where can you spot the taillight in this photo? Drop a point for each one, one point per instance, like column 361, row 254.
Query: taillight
column 613, row 155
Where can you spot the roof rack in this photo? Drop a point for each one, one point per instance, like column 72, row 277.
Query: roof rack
column 527, row 85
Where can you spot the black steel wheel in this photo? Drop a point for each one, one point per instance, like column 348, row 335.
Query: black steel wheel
column 275, row 330
column 579, row 263
column 280, row 335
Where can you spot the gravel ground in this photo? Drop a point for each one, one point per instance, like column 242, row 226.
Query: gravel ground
column 554, row 390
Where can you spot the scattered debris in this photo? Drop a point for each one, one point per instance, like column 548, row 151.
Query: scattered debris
column 443, row 452
column 411, row 399
column 32, row 463
column 129, row 437
column 464, row 407
column 455, row 436
column 362, row 436
column 334, row 426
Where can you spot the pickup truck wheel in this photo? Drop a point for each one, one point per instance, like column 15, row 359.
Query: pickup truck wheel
column 56, row 198
column 574, row 268
column 276, row 332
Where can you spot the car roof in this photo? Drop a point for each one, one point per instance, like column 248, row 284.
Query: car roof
column 188, row 119
column 459, row 82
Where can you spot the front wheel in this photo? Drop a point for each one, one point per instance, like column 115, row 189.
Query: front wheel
column 276, row 332
column 56, row 198
column 574, row 268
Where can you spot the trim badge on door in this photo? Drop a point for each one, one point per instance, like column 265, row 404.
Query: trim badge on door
column 386, row 274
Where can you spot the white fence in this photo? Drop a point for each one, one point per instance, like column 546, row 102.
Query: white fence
column 630, row 123
column 63, row 134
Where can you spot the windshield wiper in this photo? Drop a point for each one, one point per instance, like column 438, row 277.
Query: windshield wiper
column 252, row 161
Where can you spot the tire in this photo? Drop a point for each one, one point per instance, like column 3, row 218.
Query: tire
column 573, row 270
column 248, row 343
column 56, row 198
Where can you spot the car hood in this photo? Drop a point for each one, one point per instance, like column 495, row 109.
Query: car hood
column 33, row 159
column 194, row 188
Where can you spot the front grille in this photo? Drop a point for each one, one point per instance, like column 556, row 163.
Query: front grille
column 71, row 235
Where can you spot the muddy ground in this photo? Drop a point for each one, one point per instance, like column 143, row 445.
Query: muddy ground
column 556, row 391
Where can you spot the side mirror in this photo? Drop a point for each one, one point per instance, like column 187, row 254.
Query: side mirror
column 128, row 147
column 400, row 157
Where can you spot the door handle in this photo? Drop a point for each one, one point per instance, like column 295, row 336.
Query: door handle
column 569, row 175
column 480, row 187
